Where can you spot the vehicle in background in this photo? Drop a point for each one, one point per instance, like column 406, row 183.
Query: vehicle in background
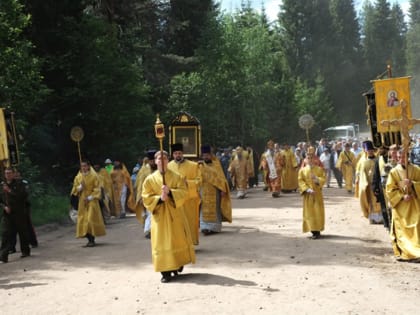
column 348, row 132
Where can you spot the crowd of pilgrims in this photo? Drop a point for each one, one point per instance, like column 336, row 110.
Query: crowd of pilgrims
column 382, row 179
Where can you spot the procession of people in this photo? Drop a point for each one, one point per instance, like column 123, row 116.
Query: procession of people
column 177, row 199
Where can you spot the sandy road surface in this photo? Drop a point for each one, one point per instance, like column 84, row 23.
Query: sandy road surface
column 259, row 264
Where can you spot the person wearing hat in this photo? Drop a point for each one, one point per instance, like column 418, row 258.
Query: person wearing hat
column 191, row 172
column 371, row 208
column 403, row 191
column 311, row 179
column 86, row 186
column 346, row 163
column 383, row 165
column 272, row 163
column 239, row 171
column 215, row 205
column 109, row 166
column 164, row 194
column 142, row 215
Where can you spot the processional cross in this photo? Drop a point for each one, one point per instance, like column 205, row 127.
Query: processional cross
column 404, row 123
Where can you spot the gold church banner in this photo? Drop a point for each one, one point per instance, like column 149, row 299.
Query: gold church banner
column 388, row 96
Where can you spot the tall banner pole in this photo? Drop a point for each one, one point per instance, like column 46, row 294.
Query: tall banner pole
column 160, row 134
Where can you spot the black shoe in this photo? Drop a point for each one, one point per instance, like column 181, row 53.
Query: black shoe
column 34, row 245
column 315, row 235
column 4, row 258
column 205, row 232
column 91, row 244
column 166, row 277
column 275, row 195
column 180, row 269
column 25, row 255
column 147, row 235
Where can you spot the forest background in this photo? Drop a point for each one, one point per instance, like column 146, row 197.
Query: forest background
column 110, row 66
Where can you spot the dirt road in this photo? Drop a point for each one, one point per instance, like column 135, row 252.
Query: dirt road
column 259, row 264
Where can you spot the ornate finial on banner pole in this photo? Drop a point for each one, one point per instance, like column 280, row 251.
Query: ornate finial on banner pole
column 77, row 134
column 160, row 134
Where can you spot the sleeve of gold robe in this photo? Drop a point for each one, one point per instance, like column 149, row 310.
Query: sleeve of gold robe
column 303, row 185
column 195, row 183
column 151, row 194
column 76, row 183
column 393, row 191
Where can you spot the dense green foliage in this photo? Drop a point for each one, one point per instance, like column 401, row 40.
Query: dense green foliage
column 110, row 66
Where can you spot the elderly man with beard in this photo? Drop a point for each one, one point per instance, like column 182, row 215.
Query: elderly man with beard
column 190, row 171
column 86, row 186
column 215, row 195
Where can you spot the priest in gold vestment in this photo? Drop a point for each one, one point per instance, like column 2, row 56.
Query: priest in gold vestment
column 87, row 188
column 164, row 194
column 272, row 163
column 369, row 204
column 289, row 177
column 239, row 170
column 190, row 171
column 346, row 163
column 142, row 215
column 403, row 194
column 215, row 195
column 311, row 178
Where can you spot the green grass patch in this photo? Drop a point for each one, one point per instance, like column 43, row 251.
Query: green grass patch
column 50, row 209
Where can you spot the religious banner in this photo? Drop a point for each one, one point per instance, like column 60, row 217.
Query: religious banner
column 388, row 96
column 4, row 152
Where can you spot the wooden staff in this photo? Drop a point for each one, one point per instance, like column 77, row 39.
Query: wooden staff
column 160, row 134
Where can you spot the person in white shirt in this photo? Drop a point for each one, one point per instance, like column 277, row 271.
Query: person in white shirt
column 325, row 160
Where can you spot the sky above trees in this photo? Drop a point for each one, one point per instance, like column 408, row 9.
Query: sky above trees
column 272, row 6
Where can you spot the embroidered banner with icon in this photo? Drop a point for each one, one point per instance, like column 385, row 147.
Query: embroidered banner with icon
column 388, row 96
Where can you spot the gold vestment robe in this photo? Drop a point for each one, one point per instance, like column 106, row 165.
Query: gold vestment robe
column 214, row 180
column 170, row 235
column 405, row 226
column 273, row 179
column 368, row 202
column 313, row 204
column 190, row 171
column 239, row 171
column 89, row 216
column 346, row 163
column 289, row 179
column 145, row 171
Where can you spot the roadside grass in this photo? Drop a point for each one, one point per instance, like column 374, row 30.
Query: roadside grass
column 49, row 209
